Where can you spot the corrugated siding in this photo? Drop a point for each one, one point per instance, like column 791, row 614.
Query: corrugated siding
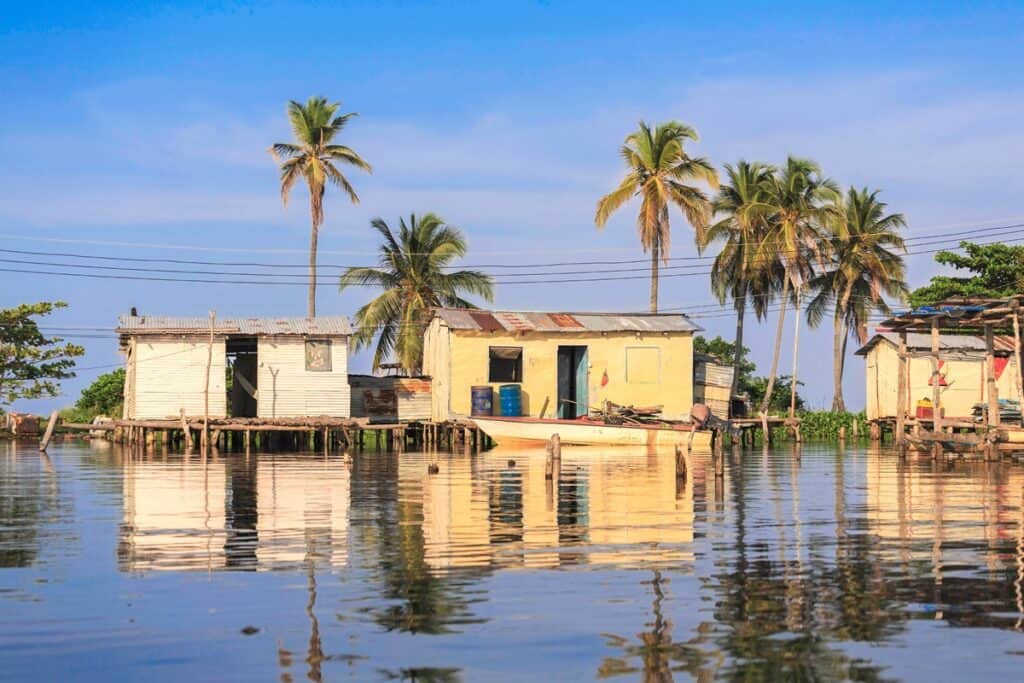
column 287, row 389
column 169, row 376
column 391, row 398
column 712, row 374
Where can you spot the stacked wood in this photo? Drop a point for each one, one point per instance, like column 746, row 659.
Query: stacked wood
column 615, row 414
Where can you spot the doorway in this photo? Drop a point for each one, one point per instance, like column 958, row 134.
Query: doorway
column 242, row 363
column 572, row 382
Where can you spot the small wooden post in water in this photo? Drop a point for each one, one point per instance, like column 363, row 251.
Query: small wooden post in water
column 186, row 431
column 50, row 426
column 680, row 463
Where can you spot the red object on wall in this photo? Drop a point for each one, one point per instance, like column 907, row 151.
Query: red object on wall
column 604, row 379
column 1001, row 363
column 942, row 376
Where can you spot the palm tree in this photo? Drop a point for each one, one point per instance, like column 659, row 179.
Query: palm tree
column 413, row 275
column 865, row 266
column 659, row 170
column 736, row 274
column 797, row 208
column 314, row 157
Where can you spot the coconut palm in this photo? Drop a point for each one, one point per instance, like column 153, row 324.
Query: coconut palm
column 413, row 274
column 659, row 170
column 865, row 265
column 736, row 274
column 797, row 208
column 315, row 157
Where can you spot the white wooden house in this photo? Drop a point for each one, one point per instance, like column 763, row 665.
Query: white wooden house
column 276, row 367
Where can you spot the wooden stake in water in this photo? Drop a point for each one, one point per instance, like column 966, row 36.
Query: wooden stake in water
column 50, row 426
column 680, row 463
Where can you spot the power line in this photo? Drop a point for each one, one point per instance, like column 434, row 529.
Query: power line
column 174, row 246
column 298, row 283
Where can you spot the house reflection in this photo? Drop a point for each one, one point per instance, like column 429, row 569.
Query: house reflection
column 625, row 506
column 279, row 512
column 258, row 513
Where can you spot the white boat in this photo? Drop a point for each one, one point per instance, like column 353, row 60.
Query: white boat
column 532, row 430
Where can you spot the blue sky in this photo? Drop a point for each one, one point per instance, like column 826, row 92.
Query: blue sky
column 149, row 123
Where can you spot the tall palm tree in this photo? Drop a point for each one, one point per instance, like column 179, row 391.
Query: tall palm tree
column 797, row 208
column 658, row 172
column 314, row 157
column 865, row 265
column 736, row 274
column 414, row 275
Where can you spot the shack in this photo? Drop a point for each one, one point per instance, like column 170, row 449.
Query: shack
column 243, row 367
column 390, row 399
column 962, row 381
column 712, row 382
column 563, row 363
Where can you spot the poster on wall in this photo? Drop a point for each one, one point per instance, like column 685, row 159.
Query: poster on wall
column 318, row 355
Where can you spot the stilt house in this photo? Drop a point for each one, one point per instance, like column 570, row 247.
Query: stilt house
column 563, row 363
column 243, row 367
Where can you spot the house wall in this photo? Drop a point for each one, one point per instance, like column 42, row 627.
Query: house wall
column 964, row 375
column 287, row 389
column 660, row 368
column 166, row 375
column 437, row 365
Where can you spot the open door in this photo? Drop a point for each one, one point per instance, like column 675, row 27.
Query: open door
column 572, row 382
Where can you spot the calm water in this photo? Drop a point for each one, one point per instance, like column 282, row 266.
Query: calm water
column 844, row 564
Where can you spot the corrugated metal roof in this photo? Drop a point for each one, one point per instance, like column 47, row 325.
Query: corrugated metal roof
column 528, row 321
column 328, row 326
column 947, row 342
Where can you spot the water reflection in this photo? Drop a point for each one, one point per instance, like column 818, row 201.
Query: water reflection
column 828, row 565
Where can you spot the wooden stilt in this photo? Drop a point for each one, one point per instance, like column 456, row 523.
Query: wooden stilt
column 51, row 425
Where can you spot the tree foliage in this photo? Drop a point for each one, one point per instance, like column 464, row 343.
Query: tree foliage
column 32, row 364
column 660, row 173
column 315, row 157
column 996, row 270
column 415, row 278
column 104, row 396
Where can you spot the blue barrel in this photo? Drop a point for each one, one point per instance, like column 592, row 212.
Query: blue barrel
column 511, row 399
column 483, row 401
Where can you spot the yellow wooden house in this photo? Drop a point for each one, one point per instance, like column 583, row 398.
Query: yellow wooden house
column 564, row 363
column 962, row 372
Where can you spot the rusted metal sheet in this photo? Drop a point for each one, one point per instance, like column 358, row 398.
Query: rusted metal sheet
column 485, row 321
column 531, row 321
column 391, row 398
column 565, row 320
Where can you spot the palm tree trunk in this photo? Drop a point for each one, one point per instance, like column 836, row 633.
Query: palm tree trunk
column 654, row 276
column 796, row 353
column 737, row 356
column 311, row 301
column 775, row 358
column 838, row 405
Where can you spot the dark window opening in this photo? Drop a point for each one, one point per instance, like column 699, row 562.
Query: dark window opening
column 506, row 364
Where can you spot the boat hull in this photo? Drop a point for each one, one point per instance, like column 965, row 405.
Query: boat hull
column 519, row 430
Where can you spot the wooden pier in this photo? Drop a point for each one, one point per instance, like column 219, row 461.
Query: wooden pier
column 275, row 434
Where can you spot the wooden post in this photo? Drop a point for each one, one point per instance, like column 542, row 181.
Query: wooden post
column 1016, row 354
column 903, row 388
column 186, row 431
column 856, row 428
column 50, row 426
column 936, row 397
column 680, row 463
column 206, row 388
column 993, row 390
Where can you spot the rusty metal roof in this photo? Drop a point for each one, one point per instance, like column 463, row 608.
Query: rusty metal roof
column 327, row 326
column 917, row 341
column 528, row 321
